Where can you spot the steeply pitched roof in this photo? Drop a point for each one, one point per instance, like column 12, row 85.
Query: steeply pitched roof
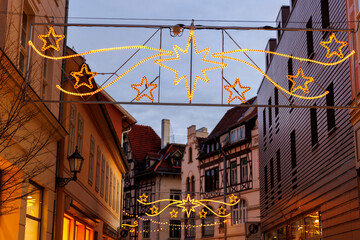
column 232, row 117
column 165, row 165
column 143, row 139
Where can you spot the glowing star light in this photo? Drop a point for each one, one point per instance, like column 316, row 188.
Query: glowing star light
column 173, row 213
column 154, row 209
column 135, row 87
column 46, row 40
column 177, row 78
column 202, row 213
column 143, row 197
column 305, row 88
column 84, row 72
column 188, row 205
column 338, row 52
column 221, row 210
column 242, row 97
column 233, row 198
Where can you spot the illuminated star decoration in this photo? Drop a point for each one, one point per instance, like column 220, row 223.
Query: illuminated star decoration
column 136, row 223
column 242, row 97
column 84, row 72
column 233, row 198
column 177, row 78
column 188, row 205
column 221, row 210
column 46, row 40
column 143, row 197
column 154, row 209
column 305, row 88
column 202, row 213
column 338, row 52
column 135, row 87
column 173, row 213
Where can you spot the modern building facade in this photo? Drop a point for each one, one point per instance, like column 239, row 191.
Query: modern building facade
column 232, row 145
column 28, row 164
column 307, row 167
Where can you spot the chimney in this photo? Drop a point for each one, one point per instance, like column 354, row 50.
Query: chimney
column 165, row 132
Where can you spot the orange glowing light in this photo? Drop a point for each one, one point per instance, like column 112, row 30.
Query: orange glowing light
column 221, row 210
column 338, row 52
column 202, row 213
column 185, row 51
column 135, row 87
column 242, row 97
column 84, row 72
column 173, row 213
column 154, row 209
column 292, row 77
column 46, row 40
column 233, row 198
column 143, row 197
column 188, row 205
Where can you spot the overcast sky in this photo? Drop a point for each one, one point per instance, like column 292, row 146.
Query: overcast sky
column 171, row 12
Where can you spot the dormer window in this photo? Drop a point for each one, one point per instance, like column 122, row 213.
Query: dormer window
column 176, row 159
column 237, row 134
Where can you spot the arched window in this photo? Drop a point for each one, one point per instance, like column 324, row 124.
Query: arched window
column 208, row 231
column 187, row 185
column 239, row 213
column 190, row 154
column 193, row 185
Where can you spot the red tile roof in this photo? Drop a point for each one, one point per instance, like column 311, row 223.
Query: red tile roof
column 143, row 139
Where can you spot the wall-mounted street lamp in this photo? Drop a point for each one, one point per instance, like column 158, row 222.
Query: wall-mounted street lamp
column 75, row 163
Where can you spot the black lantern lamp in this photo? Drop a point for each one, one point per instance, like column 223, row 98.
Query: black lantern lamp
column 75, row 163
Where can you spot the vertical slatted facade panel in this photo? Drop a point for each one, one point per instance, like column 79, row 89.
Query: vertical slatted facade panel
column 324, row 178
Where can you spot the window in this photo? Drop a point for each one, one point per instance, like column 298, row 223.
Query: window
column 293, row 149
column 75, row 230
column 117, row 196
column 266, row 180
column 233, row 173
column 192, row 184
column 97, row 175
column 146, row 229
column 325, row 18
column 175, row 229
column 113, row 192
column 313, row 226
column 187, row 185
column 239, row 213
column 264, row 122
column 23, row 42
column 190, row 231
column 237, row 134
column 33, row 212
column 330, row 112
column 314, row 130
column 102, row 176
column 309, row 39
column 211, row 179
column 72, row 129
column 175, row 194
column 272, row 173
column 270, row 113
column 208, row 227
column 127, row 201
column 278, row 166
column 107, row 182
column 91, row 159
column 276, row 99
column 80, row 133
column 190, row 154
column 244, row 170
column 110, row 188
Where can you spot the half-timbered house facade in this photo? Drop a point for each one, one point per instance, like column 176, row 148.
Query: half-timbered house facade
column 232, row 145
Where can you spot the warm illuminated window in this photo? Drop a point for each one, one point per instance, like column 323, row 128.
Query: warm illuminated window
column 239, row 213
column 312, row 223
column 72, row 129
column 75, row 230
column 33, row 212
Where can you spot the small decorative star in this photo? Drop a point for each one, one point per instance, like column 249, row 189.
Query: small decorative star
column 188, row 205
column 233, row 198
column 47, row 44
column 202, row 213
column 242, row 97
column 143, row 197
column 338, row 52
column 135, row 87
column 84, row 72
column 154, row 209
column 222, row 210
column 305, row 88
column 173, row 213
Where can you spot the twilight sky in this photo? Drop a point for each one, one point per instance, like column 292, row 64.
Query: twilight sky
column 171, row 12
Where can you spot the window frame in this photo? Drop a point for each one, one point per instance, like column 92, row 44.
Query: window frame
column 91, row 160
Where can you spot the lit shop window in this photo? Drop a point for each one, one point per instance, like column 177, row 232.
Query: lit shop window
column 33, row 212
column 74, row 230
